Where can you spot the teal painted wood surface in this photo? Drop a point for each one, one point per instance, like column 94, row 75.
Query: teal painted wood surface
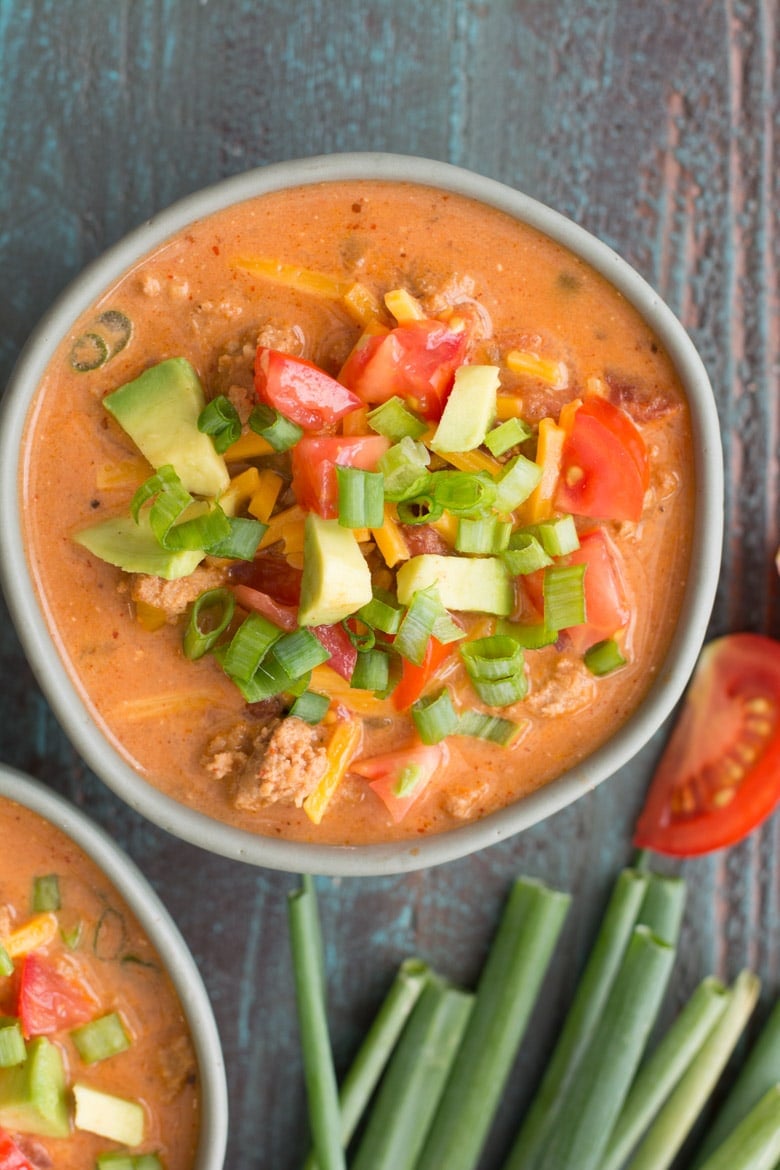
column 655, row 125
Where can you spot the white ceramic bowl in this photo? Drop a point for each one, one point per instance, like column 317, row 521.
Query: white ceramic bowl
column 401, row 856
column 161, row 930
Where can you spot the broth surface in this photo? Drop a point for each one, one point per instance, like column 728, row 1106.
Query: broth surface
column 190, row 298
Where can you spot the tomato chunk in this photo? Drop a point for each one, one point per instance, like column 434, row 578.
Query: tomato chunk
column 314, row 462
column 50, row 1000
column 343, row 654
column 414, row 679
column 416, row 361
column 604, row 467
column 414, row 766
column 300, row 390
column 719, row 775
column 11, row 1157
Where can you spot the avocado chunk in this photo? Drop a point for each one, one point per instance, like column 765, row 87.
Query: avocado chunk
column 108, row 1116
column 478, row 584
column 159, row 410
column 134, row 547
column 336, row 579
column 470, row 410
column 32, row 1095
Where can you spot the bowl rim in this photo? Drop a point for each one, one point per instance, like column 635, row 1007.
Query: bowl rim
column 399, row 856
column 163, row 932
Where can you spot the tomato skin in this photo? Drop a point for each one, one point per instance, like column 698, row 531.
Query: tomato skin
column 732, row 704
column 300, row 390
column 314, row 462
column 283, row 616
column 275, row 576
column 49, row 1000
column 336, row 640
column 11, row 1157
column 604, row 466
column 416, row 360
column 384, row 772
column 414, row 679
column 606, row 594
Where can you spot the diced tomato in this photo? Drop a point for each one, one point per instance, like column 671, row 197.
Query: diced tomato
column 387, row 771
column 343, row 654
column 300, row 390
column 11, row 1157
column 719, row 776
column 275, row 576
column 606, row 595
column 283, row 616
column 50, row 1000
column 416, row 361
column 314, row 462
column 414, row 679
column 604, row 467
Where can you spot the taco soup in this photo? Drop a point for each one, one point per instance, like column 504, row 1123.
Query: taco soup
column 359, row 511
column 97, row 1068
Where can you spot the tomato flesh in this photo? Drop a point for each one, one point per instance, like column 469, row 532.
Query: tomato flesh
column 11, row 1157
column 414, row 679
column 343, row 654
column 719, row 775
column 314, row 462
column 300, row 390
column 416, row 361
column 604, row 467
column 386, row 771
column 49, row 1000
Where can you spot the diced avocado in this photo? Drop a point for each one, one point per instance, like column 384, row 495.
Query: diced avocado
column 159, row 410
column 32, row 1095
column 111, row 1117
column 478, row 584
column 134, row 548
column 470, row 410
column 336, row 579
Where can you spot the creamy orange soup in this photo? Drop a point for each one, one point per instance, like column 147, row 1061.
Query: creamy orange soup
column 296, row 271
column 82, row 959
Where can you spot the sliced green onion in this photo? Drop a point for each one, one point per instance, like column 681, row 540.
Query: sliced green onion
column 119, row 328
column 210, row 616
column 484, row 534
column 121, row 1161
column 361, row 497
column 371, row 671
column 582, row 1019
column 381, row 614
column 299, row 652
column 418, row 624
column 6, row 962
column 662, row 1070
column 531, row 637
column 219, row 418
column 271, row 679
column 164, row 482
column 360, row 639
column 88, row 352
column 446, row 629
column 604, row 657
column 282, row 433
column 408, row 780
column 434, row 716
column 311, row 707
column 525, row 555
column 405, row 468
column 501, row 692
column 46, row 893
column 71, row 937
column 248, row 647
column 755, row 1142
column 415, row 1079
column 518, row 479
column 492, row 728
column 463, row 493
column 492, row 658
column 507, row 435
column 203, row 530
column 319, row 1073
column 559, row 537
column 507, row 991
column 242, row 540
column 99, row 1039
column 13, row 1049
column 564, row 596
column 394, row 419
column 423, row 509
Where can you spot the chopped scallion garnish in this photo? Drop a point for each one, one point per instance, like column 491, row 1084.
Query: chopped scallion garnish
column 46, row 893
column 507, row 435
column 405, row 469
column 559, row 536
column 484, row 534
column 407, row 781
column 248, row 647
column 604, row 657
column 463, row 493
column 282, row 433
column 13, row 1049
column 299, row 652
column 361, row 498
column 311, row 706
column 477, row 725
column 371, row 671
column 210, row 616
column 418, row 624
column 530, row 637
column 435, row 716
column 219, row 418
column 518, row 479
column 492, row 658
column 423, row 509
column 564, row 596
column 381, row 614
column 242, row 541
column 6, row 962
column 394, row 420
column 525, row 555
column 101, row 1038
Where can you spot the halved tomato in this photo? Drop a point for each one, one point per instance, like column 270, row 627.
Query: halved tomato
column 416, row 361
column 50, row 1000
column 314, row 462
column 400, row 778
column 719, row 776
column 300, row 390
column 604, row 467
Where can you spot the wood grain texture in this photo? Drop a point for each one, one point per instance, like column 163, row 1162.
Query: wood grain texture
column 655, row 125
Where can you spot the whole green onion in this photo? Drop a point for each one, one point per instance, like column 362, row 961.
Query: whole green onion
column 755, row 1142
